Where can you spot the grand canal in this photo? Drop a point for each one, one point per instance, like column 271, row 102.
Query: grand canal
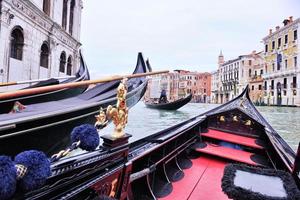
column 144, row 121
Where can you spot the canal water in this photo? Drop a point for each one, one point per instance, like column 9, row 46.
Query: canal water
column 144, row 121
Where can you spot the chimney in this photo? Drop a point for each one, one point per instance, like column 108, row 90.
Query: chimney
column 254, row 52
column 291, row 19
column 270, row 31
column 277, row 28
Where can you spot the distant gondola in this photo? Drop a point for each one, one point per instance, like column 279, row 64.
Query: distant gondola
column 82, row 74
column 170, row 105
column 224, row 153
column 46, row 126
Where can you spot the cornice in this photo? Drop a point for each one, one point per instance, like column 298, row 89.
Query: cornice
column 282, row 29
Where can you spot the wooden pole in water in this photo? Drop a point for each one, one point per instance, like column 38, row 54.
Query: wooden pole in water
column 39, row 90
column 32, row 81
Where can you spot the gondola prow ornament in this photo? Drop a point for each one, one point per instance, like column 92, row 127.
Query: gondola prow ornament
column 119, row 114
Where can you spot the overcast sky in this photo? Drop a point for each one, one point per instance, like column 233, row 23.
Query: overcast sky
column 173, row 34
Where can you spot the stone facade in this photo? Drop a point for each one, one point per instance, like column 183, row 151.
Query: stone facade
column 233, row 76
column 282, row 77
column 39, row 39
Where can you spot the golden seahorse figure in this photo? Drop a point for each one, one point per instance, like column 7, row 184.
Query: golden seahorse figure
column 118, row 114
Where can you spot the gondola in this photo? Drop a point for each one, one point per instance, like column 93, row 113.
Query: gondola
column 82, row 74
column 170, row 105
column 46, row 126
column 196, row 159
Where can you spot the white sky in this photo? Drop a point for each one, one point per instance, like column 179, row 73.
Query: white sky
column 185, row 34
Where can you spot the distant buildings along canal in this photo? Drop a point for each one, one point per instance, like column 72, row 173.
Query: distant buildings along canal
column 273, row 74
column 179, row 84
column 39, row 39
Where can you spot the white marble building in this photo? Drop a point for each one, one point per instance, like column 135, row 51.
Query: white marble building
column 39, row 38
column 214, row 86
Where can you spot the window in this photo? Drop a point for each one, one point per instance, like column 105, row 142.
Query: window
column 250, row 62
column 285, row 39
column 279, row 42
column 259, row 87
column 286, row 63
column 62, row 62
column 273, row 67
column 285, row 83
column 17, row 43
column 249, row 72
column 72, row 8
column 64, row 14
column 44, row 57
column 266, row 48
column 295, row 35
column 69, row 66
column 295, row 62
column 252, row 87
column 46, row 7
column 261, row 72
column 272, row 85
column 265, row 87
column 273, row 45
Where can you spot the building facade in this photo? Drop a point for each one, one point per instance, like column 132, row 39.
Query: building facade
column 282, row 77
column 179, row 84
column 234, row 75
column 214, row 86
column 39, row 39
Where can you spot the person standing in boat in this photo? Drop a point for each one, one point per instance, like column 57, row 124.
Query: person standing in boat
column 163, row 97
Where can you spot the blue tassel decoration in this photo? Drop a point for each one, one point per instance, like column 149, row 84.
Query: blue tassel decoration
column 38, row 169
column 87, row 135
column 8, row 178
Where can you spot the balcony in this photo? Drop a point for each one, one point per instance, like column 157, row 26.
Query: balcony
column 281, row 72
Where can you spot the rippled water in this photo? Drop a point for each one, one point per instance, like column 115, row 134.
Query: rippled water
column 144, row 121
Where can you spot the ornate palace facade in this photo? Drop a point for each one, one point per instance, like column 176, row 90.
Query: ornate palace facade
column 39, row 38
column 281, row 55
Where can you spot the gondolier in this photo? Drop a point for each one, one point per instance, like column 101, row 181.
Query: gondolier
column 163, row 97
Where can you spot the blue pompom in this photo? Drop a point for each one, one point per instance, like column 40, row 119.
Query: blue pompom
column 88, row 136
column 38, row 169
column 8, row 178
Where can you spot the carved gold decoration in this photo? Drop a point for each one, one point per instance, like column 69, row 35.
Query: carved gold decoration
column 101, row 120
column 248, row 123
column 235, row 119
column 222, row 119
column 113, row 188
column 119, row 114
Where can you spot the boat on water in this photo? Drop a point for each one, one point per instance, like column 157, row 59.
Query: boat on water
column 46, row 126
column 224, row 153
column 174, row 105
column 6, row 105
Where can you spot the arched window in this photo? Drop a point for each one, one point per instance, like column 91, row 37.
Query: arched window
column 72, row 8
column 46, row 7
column 64, row 14
column 17, row 43
column 62, row 62
column 69, row 66
column 44, row 58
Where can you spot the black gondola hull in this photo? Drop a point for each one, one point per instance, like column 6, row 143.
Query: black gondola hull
column 82, row 75
column 172, row 105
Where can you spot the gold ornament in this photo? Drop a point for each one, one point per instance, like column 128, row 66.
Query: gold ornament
column 119, row 114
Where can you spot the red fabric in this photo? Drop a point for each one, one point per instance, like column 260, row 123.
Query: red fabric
column 183, row 188
column 228, row 153
column 209, row 186
column 201, row 182
column 231, row 137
